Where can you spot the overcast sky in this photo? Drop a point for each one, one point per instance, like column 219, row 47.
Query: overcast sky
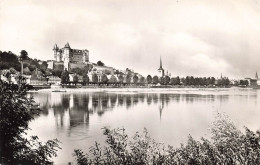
column 193, row 37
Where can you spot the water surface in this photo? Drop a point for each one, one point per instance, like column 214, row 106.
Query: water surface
column 77, row 119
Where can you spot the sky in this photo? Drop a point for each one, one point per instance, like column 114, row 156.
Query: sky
column 193, row 37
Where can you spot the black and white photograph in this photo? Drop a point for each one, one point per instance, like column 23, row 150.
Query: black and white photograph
column 129, row 82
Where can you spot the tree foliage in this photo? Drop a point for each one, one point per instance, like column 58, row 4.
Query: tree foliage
column 15, row 114
column 120, row 78
column 135, row 79
column 155, row 80
column 104, row 78
column 113, row 79
column 94, row 78
column 23, row 55
column 149, row 79
column 8, row 60
column 44, row 66
column 100, row 63
column 142, row 80
column 227, row 145
column 75, row 79
column 175, row 81
column 78, row 71
column 65, row 77
column 85, row 78
column 128, row 78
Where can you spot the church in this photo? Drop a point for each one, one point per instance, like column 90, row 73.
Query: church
column 70, row 57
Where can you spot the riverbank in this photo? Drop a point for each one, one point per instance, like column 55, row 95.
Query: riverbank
column 140, row 90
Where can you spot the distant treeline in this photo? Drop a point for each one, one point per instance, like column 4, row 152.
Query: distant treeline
column 121, row 79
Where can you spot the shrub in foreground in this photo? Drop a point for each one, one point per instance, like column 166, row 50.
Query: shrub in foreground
column 15, row 114
column 227, row 145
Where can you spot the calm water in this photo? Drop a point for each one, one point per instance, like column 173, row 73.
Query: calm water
column 76, row 119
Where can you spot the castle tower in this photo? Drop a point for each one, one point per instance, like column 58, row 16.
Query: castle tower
column 66, row 56
column 161, row 70
column 59, row 56
column 85, row 55
column 55, row 50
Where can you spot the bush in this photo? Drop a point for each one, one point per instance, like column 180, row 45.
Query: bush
column 15, row 114
column 227, row 145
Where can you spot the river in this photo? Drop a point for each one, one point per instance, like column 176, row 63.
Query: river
column 77, row 118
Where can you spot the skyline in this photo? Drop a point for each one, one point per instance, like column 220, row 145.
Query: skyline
column 199, row 38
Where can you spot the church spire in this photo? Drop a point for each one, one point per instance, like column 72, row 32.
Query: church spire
column 161, row 70
column 256, row 75
column 160, row 62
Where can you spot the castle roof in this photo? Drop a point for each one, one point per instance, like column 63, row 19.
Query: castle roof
column 55, row 47
column 67, row 45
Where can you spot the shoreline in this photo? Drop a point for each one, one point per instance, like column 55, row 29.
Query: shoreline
column 136, row 90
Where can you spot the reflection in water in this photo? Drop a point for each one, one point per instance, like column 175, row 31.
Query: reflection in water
column 81, row 106
column 76, row 119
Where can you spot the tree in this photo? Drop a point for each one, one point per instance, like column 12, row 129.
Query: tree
column 8, row 59
column 142, row 80
column 178, row 81
column 128, row 78
column 167, row 80
column 212, row 81
column 100, row 63
column 75, row 79
column 135, row 79
column 88, row 67
column 7, row 75
column 44, row 66
column 15, row 114
column 85, row 78
column 113, row 79
column 12, row 71
column 149, row 79
column 65, row 77
column 57, row 72
column 104, row 78
column 243, row 83
column 23, row 56
column 162, row 81
column 175, row 81
column 121, row 79
column 155, row 80
column 117, row 72
column 94, row 78
column 78, row 71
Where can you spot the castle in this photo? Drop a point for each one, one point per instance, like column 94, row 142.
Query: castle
column 70, row 56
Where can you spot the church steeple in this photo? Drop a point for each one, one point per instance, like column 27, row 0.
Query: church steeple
column 256, row 76
column 160, row 62
column 161, row 70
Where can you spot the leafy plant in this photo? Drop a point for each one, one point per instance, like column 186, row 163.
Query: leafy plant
column 228, row 145
column 15, row 114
